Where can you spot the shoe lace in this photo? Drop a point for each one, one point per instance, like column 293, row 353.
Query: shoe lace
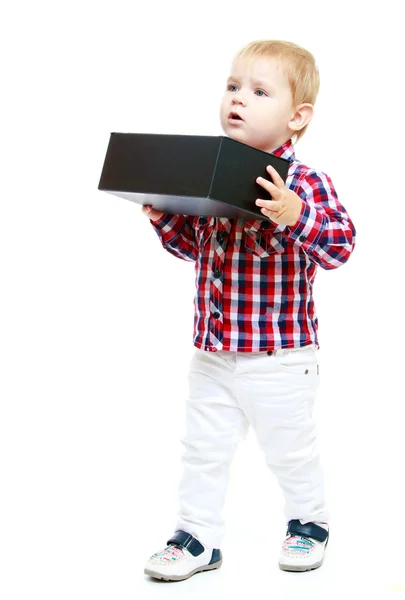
column 294, row 540
column 170, row 553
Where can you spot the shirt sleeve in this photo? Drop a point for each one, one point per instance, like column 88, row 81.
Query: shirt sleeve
column 177, row 235
column 324, row 230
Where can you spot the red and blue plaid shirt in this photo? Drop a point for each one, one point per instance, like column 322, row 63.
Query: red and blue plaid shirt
column 254, row 278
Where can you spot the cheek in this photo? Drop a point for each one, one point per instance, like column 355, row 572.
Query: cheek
column 223, row 111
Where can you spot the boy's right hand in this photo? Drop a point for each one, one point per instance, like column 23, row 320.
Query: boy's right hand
column 152, row 214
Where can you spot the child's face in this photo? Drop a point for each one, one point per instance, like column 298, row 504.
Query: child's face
column 265, row 106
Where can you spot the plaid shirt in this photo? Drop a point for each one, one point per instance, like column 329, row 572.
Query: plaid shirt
column 254, row 278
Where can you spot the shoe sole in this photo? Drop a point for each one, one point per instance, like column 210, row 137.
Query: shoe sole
column 163, row 577
column 299, row 567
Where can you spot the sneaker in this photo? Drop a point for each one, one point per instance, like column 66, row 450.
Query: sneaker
column 183, row 557
column 304, row 547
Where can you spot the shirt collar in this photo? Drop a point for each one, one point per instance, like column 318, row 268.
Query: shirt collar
column 285, row 151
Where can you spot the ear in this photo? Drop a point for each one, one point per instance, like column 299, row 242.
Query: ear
column 302, row 116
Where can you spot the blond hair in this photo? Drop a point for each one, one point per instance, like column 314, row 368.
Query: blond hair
column 298, row 65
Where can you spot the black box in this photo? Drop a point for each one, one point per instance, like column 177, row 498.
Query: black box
column 188, row 174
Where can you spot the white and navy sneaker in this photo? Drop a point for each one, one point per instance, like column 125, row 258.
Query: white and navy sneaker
column 183, row 557
column 304, row 547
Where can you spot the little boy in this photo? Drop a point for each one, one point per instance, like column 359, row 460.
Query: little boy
column 255, row 326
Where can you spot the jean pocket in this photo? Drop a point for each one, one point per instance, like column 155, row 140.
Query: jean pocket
column 299, row 362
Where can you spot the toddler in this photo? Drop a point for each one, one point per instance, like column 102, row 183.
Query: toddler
column 255, row 327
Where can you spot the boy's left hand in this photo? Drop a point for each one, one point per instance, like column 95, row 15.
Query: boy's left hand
column 285, row 208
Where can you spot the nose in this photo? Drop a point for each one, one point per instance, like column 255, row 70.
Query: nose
column 237, row 99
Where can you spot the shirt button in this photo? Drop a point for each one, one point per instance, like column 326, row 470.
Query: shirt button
column 217, row 272
column 269, row 352
column 265, row 225
column 221, row 236
column 302, row 238
column 216, row 315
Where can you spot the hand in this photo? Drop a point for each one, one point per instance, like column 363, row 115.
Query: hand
column 285, row 208
column 153, row 215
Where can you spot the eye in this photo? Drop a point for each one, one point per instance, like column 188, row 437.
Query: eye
column 230, row 86
column 262, row 92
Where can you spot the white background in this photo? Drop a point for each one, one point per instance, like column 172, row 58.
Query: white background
column 96, row 318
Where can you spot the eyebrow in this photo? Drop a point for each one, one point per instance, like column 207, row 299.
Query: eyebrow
column 258, row 81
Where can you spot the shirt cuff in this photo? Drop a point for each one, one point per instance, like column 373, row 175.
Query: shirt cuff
column 309, row 226
column 168, row 226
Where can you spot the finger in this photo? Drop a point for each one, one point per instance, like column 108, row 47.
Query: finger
column 273, row 191
column 272, row 206
column 278, row 181
column 268, row 185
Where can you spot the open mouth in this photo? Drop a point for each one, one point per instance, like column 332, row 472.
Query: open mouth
column 234, row 116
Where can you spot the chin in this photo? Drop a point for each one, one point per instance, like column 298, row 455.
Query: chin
column 233, row 135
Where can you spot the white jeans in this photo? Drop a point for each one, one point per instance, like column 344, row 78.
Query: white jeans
column 228, row 392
